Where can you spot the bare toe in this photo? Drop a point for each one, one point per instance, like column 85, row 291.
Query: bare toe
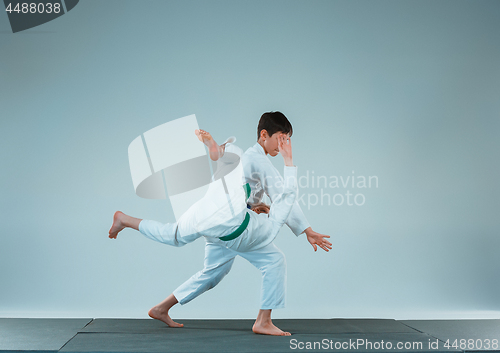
column 157, row 314
column 117, row 225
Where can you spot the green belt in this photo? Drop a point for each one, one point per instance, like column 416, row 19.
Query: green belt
column 243, row 225
column 238, row 231
column 247, row 190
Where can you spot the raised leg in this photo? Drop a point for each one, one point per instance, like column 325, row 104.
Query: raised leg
column 214, row 149
column 122, row 221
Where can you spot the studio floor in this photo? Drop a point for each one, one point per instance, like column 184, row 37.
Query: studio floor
column 333, row 335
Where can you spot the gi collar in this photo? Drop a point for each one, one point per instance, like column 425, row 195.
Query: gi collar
column 259, row 149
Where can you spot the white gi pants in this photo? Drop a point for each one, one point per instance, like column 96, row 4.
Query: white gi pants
column 219, row 258
column 218, row 262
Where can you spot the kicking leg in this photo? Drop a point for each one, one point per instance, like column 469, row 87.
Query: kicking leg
column 122, row 221
column 214, row 149
column 160, row 311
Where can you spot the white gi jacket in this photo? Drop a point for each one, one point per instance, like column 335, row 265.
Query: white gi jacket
column 262, row 229
column 263, row 177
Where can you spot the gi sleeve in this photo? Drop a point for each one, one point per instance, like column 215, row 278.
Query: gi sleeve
column 166, row 233
column 283, row 203
column 272, row 183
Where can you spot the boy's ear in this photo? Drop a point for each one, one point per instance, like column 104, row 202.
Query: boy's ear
column 263, row 134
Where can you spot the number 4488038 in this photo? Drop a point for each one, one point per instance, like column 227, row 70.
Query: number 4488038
column 34, row 8
column 472, row 344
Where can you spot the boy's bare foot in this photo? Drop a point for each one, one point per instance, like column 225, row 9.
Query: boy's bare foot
column 214, row 149
column 117, row 226
column 268, row 328
column 157, row 314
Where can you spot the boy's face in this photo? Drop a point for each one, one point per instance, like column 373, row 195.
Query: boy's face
column 271, row 142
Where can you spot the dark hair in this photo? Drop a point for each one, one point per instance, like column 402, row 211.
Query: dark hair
column 273, row 122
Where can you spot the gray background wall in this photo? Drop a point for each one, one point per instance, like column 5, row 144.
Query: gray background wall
column 407, row 91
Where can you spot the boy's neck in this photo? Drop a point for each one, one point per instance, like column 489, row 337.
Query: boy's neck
column 261, row 143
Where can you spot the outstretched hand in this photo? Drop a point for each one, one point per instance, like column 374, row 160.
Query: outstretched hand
column 316, row 239
column 285, row 148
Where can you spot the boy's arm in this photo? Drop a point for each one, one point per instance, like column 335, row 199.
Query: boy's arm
column 280, row 208
column 317, row 239
column 272, row 184
column 261, row 170
column 282, row 204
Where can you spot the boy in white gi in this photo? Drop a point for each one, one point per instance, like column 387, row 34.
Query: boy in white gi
column 262, row 177
column 248, row 234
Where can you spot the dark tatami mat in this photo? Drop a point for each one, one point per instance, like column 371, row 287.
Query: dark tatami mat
column 304, row 326
column 235, row 341
column 334, row 326
column 478, row 334
column 308, row 335
column 38, row 334
column 155, row 326
column 339, row 335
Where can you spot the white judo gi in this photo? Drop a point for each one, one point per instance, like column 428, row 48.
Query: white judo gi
column 262, row 177
column 254, row 244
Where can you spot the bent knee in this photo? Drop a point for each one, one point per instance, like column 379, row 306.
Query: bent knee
column 276, row 263
column 280, row 260
column 214, row 274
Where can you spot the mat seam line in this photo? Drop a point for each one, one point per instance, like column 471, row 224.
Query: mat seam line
column 428, row 334
column 64, row 345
